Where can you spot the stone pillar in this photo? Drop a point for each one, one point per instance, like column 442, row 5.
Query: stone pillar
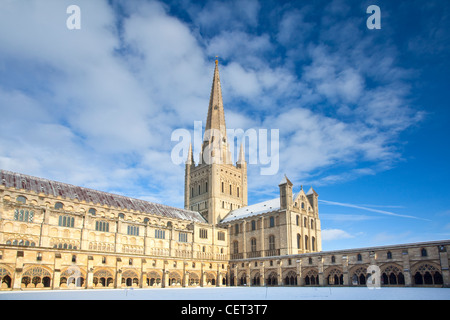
column 279, row 272
column 262, row 274
column 299, row 272
column 443, row 259
column 17, row 280
column 406, row 268
column 345, row 271
column 320, row 269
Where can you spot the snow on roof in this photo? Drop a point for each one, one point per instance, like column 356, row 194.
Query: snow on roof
column 253, row 210
column 40, row 185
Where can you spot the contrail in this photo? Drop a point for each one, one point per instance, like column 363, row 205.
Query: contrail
column 370, row 209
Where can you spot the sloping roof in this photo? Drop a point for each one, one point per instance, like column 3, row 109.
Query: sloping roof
column 40, row 185
column 253, row 210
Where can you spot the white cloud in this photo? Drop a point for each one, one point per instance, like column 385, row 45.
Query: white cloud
column 335, row 234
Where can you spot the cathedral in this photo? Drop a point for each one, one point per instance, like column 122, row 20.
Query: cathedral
column 58, row 236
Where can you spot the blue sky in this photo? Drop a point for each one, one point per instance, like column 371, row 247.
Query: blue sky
column 362, row 114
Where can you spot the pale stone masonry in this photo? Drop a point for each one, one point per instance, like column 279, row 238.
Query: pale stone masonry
column 58, row 236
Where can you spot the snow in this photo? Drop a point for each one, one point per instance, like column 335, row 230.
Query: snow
column 236, row 293
column 253, row 210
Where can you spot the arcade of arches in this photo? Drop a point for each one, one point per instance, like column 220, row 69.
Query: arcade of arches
column 424, row 265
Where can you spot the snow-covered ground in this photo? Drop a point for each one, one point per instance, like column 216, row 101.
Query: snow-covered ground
column 236, row 293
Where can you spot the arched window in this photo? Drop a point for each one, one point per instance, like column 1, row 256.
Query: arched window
column 21, row 199
column 59, row 206
column 92, row 211
column 306, row 242
column 235, row 247
column 359, row 257
column 312, row 224
column 423, row 252
column 297, row 220
column 333, row 259
column 299, row 241
column 389, row 255
column 271, row 242
column 122, row 216
column 313, row 243
column 305, row 223
column 253, row 244
column 272, row 222
column 253, row 225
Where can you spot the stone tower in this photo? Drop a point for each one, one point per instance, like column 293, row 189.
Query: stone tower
column 215, row 186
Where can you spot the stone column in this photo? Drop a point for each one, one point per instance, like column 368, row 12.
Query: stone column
column 299, row 272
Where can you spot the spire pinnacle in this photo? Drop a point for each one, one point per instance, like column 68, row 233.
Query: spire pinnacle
column 215, row 129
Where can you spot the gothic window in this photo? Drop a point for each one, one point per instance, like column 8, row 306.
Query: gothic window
column 312, row 224
column 423, row 252
column 236, row 228
column 237, row 190
column 299, row 241
column 160, row 234
column 313, row 244
column 253, row 225
column 122, row 216
column 272, row 222
column 133, row 230
column 333, row 259
column 305, row 224
column 272, row 242
column 297, row 220
column 253, row 245
column 359, row 257
column 306, row 242
column 66, row 221
column 92, row 211
column 389, row 255
column 203, row 234
column 58, row 205
column 102, row 226
column 21, row 199
column 182, row 237
column 23, row 215
column 235, row 247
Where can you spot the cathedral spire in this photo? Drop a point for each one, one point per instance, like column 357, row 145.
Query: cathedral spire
column 215, row 129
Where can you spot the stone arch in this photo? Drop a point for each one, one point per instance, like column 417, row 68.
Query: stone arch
column 6, row 275
column 72, row 277
column 154, row 278
column 272, row 279
column 174, row 278
column 359, row 275
column 255, row 278
column 310, row 276
column 391, row 274
column 37, row 276
column 130, row 278
column 427, row 273
column 194, row 279
column 334, row 276
column 210, row 279
column 290, row 278
column 103, row 277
